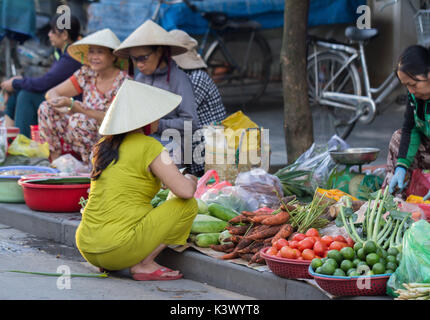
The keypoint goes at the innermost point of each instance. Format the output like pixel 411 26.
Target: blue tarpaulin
pixel 124 16
pixel 17 19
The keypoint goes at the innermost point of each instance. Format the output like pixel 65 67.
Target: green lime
pixel 332 262
pixel 360 254
pixel 393 251
pixel 378 268
pixel 336 255
pixel 339 273
pixel 347 253
pixel 382 261
pixel 319 270
pixel 346 265
pixel 363 268
pixel 384 253
pixel 354 274
pixel 370 247
pixel 371 273
pixel 391 266
pixel 399 258
pixel 389 271
pixel 316 263
pixel 391 259
pixel 328 268
pixel 348 273
pixel 356 262
pixel 372 258
pixel 381 253
pixel 323 260
pixel 357 246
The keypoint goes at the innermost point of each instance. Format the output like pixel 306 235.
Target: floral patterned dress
pixel 76 132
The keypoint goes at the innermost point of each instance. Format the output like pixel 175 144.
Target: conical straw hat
pixel 136 105
pixel 103 38
pixel 149 34
pixel 191 59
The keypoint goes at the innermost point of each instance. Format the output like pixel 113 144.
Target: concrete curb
pixel 61 228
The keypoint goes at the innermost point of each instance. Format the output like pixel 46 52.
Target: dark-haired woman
pixel 409 147
pixel 120 229
pixel 22 106
pixel 150 47
pixel 69 124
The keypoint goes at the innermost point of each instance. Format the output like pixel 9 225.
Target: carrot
pixel 231 255
pixel 256 229
pixel 284 233
pixel 280 218
pixel 256 258
pixel 268 241
pixel 222 247
pixel 246 256
pixel 259 218
pixel 288 207
pixel 271 231
pixel 243 243
pixel 240 219
pixel 238 230
pixel 249 213
pixel 251 247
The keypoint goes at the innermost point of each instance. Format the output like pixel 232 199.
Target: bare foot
pixel 150 267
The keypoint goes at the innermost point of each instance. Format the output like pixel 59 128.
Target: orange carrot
pixel 261 217
pixel 284 233
pixel 231 255
pixel 238 230
pixel 222 247
pixel 280 218
pixel 240 219
pixel 271 231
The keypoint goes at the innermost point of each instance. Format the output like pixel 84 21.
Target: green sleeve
pixel 412 149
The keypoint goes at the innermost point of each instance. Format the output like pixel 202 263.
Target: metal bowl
pixel 355 156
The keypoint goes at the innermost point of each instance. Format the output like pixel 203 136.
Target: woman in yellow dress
pixel 120 229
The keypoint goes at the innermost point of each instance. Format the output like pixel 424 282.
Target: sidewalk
pixel 61 228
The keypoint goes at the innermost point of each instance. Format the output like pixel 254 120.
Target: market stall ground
pixel 61 227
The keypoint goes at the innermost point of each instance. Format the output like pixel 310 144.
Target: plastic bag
pixel 230 197
pixel 415 209
pixel 415 263
pixel 68 163
pixel 260 185
pixel 3 141
pixel 317 159
pixel 419 184
pixel 24 146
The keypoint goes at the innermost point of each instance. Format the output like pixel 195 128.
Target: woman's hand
pixel 191 177
pixel 398 180
pixel 7 84
pixel 59 102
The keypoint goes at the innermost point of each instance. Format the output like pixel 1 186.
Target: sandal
pixel 157 275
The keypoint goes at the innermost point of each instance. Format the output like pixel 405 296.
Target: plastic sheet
pixel 415 263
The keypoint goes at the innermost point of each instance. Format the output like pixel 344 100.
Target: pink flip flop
pixel 157 275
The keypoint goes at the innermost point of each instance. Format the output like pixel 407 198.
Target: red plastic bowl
pixel 286 268
pixel 54 198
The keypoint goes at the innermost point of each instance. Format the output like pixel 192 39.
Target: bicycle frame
pixel 340 100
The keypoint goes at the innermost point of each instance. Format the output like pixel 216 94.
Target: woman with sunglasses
pixel 26 93
pixel 150 47
pixel 409 147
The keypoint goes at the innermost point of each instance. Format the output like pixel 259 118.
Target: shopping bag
pixel 26 147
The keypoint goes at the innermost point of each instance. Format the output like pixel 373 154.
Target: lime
pixel 363 269
pixel 354 274
pixel 378 268
pixel 356 262
pixel 391 266
pixel 336 255
pixel 389 271
pixel 370 247
pixel 332 262
pixel 339 273
pixel 372 258
pixel 384 253
pixel 351 271
pixel 327 268
pixel 316 263
pixel 360 254
pixel 346 265
pixel 399 258
pixel 381 253
pixel 382 261
pixel 371 273
pixel 391 259
pixel 319 270
pixel 323 260
pixel 357 246
pixel 393 251
pixel 347 253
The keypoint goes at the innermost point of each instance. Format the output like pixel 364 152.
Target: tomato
pixel 300 258
pixel 312 232
pixel 327 240
pixel 294 244
pixel 281 243
pixel 311 239
pixel 337 245
pixel 279 254
pixel 308 254
pixel 340 238
pixel 297 253
pixel 350 242
pixel 319 248
pixel 306 244
pixel 272 251
pixel 287 252
pixel 298 237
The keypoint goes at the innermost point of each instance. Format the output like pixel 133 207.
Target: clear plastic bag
pixel 261 186
pixel 415 263
pixel 230 197
pixel 69 164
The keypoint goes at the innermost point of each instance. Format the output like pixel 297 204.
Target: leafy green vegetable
pixel 160 197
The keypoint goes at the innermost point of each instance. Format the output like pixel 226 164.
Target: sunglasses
pixel 141 58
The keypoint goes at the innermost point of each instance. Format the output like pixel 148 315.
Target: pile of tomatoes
pixel 308 246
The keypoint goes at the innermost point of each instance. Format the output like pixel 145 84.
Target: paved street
pixel 22 251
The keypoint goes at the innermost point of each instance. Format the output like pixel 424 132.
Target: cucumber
pixel 224 235
pixel 204 223
pixel 204 240
pixel 220 212
pixel 203 207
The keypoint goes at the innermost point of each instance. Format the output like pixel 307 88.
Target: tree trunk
pixel 298 126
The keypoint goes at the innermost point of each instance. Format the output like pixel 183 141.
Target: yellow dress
pixel 119 226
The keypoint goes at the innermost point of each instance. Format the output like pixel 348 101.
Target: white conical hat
pixel 191 59
pixel 136 105
pixel 149 34
pixel 103 38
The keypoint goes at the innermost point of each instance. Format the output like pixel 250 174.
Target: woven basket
pixel 286 268
pixel 352 286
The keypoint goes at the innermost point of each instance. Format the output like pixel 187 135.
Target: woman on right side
pixel 409 147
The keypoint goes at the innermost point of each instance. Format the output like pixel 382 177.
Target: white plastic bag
pixel 69 164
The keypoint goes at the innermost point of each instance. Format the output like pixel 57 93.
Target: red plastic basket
pixel 286 268
pixel 352 286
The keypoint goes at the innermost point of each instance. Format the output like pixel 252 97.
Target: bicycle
pixel 239 65
pixel 335 83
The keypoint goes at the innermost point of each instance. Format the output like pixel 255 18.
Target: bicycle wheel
pixel 239 79
pixel 328 64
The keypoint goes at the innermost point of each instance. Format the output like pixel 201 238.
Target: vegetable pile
pixel 414 291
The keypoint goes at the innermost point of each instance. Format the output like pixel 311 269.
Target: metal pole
pixel 8 57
